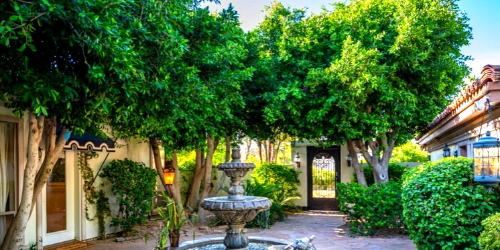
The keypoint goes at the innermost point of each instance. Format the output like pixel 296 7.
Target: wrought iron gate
pixel 323 174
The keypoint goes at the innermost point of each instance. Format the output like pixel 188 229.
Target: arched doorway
pixel 323 173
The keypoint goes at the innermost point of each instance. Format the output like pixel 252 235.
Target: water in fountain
pixel 236 209
pixel 251 246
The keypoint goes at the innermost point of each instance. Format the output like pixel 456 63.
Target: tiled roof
pixel 490 73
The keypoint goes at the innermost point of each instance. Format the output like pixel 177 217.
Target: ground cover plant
pixel 443 207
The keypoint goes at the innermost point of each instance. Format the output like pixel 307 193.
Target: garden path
pixel 325 226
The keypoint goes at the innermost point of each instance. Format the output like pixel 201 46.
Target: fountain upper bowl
pixel 225 204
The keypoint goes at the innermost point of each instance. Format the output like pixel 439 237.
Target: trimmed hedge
pixel 373 208
pixel 443 207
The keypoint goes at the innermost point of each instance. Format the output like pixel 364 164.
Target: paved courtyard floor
pixel 325 226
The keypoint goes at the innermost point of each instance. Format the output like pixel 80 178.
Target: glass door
pixel 59 203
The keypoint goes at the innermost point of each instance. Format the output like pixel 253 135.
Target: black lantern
pixel 349 160
pixel 456 153
pixel 297 160
pixel 446 150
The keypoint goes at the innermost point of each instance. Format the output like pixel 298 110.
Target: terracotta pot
pixel 174 239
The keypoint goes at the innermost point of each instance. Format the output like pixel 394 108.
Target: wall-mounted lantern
pixel 296 159
pixel 446 150
pixel 168 176
pixel 456 153
pixel 349 160
pixel 486 155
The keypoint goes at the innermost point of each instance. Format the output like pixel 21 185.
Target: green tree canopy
pixel 372 73
pixel 62 63
pixel 409 152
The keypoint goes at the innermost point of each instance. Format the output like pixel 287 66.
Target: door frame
pixel 311 153
pixel 71 205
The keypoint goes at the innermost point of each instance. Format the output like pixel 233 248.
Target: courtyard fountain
pixel 236 209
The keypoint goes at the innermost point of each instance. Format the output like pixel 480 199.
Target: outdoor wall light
pixel 296 159
pixel 349 160
pixel 486 155
pixel 456 153
pixel 168 176
pixel 446 150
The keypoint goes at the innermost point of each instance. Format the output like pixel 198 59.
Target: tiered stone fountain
pixel 236 209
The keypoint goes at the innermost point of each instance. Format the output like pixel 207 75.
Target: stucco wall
pixel 131 149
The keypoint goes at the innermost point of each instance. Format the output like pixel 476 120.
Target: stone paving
pixel 324 226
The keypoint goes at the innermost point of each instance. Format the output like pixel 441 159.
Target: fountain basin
pixel 236 212
pixel 219 240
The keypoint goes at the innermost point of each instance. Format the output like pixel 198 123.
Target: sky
pixel 484 48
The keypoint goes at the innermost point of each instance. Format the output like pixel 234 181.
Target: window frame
pixel 18 169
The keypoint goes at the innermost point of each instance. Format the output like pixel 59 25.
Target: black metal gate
pixel 323 173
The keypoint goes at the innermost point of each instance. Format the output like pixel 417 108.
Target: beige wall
pixel 301 148
pixel 131 149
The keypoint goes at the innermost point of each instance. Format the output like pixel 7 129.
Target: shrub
pixel 373 208
pixel 442 206
pixel 396 172
pixel 133 183
pixel 490 237
pixel 286 177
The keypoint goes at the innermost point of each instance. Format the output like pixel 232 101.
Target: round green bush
pixel 442 206
pixel 490 237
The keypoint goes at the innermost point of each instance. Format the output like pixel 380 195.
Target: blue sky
pixel 484 47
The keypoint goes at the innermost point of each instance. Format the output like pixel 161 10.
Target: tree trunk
pixel 380 165
pixel 276 151
pixel 260 150
pixel 34 181
pixel 15 233
pixel 269 151
pixel 360 173
pixel 208 176
pixel 194 192
pixel 264 143
pixel 249 145
pixel 155 146
pixel 223 176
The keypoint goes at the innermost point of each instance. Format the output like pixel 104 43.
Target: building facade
pixel 465 119
pixel 59 214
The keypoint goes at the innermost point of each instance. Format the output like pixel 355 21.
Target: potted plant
pixel 174 217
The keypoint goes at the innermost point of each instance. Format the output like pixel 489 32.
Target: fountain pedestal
pixel 236 209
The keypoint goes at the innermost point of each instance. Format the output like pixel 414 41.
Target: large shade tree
pixel 378 71
pixel 61 62
pixel 190 93
pixel 272 71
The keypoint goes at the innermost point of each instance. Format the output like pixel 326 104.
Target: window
pixel 9 158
